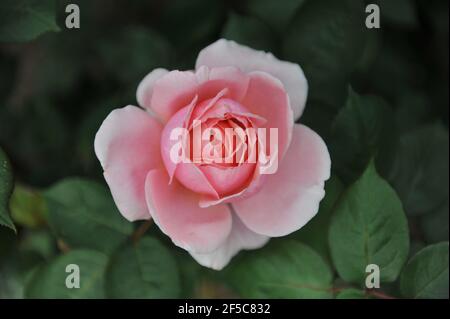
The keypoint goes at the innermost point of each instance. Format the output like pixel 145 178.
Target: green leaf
pixel 351 293
pixel 287 269
pixel 191 273
pixel 399 12
pixel 435 225
pixel 249 31
pixel 40 143
pixel 200 19
pixel 7 242
pixel 426 274
pixel 143 270
pixel 415 246
pixel 6 188
pixel 11 283
pixel 327 39
pixel 369 227
pixel 372 46
pixel 398 62
pixel 87 129
pixel 27 252
pixel 27 207
pixel 25 20
pixel 60 53
pixel 40 243
pixel 358 133
pixel 49 281
pixel 277 14
pixel 319 116
pixel 412 111
pixel 315 232
pixel 83 214
pixel 146 50
pixel 419 171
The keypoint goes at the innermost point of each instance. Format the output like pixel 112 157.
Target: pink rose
pixel 210 207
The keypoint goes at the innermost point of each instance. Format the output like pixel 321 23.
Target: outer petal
pixel 291 197
pixel 127 146
pixel 172 92
pixel 145 89
pixel 175 209
pixel 240 238
pixel 226 53
pixel 215 79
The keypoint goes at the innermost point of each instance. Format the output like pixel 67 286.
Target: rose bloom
pixel 210 208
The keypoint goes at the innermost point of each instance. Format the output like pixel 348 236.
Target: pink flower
pixel 211 208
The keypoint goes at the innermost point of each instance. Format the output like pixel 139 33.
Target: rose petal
pixel 193 178
pixel 240 238
pixel 127 146
pixel 175 210
pixel 213 80
pixel 196 112
pixel 175 126
pixel 223 106
pixel 172 92
pixel 291 197
pixel 229 179
pixel 253 187
pixel 145 89
pixel 267 98
pixel 176 89
pixel 226 53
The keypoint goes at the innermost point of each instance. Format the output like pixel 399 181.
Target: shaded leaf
pixel 6 188
pixel 145 51
pixel 190 17
pixel 413 111
pixel 287 269
pixel 24 20
pixel 41 139
pixel 143 270
pixel 249 31
pixel 49 281
pixel 27 207
pixel 419 171
pixel 190 274
pixel 399 12
pixel 351 293
pixel 315 232
pixel 327 39
pixel 358 133
pixel 426 274
pixel 82 213
pixel 435 225
pixel 11 283
pixel 277 14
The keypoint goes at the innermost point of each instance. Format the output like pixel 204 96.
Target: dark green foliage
pixel 378 97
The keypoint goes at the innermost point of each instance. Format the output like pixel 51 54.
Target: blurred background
pixel 58 84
